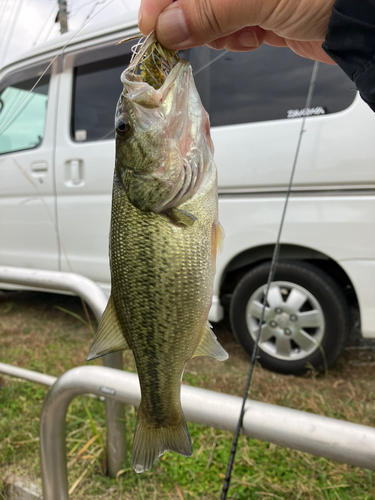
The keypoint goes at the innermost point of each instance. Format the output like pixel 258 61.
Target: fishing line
pixel 270 278
pixel 128 9
pixel 210 62
pixel 94 7
pixel 52 27
pixel 22 171
pixel 79 7
pixel 16 114
pixel 3 8
pixel 50 17
pixel 54 59
pixel 13 18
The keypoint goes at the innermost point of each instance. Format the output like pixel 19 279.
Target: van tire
pixel 325 305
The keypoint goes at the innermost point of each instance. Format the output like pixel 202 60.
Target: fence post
pixel 115 414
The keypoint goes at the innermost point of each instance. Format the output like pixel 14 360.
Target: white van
pixel 57 161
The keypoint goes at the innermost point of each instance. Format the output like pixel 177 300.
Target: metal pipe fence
pixel 322 436
pixel 97 301
pixel 30 375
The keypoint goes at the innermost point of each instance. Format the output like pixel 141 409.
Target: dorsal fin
pixel 209 346
pixel 109 337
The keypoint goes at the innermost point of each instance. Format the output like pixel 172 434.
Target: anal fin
pixel 210 346
pixel 109 337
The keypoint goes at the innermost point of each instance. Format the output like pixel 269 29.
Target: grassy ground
pixel 35 334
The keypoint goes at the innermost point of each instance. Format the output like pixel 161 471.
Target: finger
pixel 189 23
pixel 248 38
pixel 148 14
pixel 310 50
pixel 270 38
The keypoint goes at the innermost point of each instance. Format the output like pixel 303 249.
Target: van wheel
pixel 306 317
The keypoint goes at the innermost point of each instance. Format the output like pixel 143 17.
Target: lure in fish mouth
pixel 164 238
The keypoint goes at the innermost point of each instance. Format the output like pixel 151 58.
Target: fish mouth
pixel 141 92
pixel 151 72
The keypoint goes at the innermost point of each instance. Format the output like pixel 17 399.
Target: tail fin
pixel 151 442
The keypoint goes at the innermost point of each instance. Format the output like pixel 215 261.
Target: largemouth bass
pixel 164 238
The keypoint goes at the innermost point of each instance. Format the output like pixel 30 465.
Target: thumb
pixel 189 23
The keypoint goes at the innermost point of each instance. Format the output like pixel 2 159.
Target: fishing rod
pixel 271 274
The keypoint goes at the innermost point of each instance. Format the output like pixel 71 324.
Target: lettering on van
pixel 297 113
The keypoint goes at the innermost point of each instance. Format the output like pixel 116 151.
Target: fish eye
pixel 122 126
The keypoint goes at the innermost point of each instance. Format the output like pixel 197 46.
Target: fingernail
pixel 140 15
pixel 248 39
pixel 171 28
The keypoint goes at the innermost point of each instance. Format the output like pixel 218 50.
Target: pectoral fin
pixel 109 337
pixel 180 217
pixel 209 346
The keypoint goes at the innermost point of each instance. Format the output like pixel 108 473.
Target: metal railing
pixel 30 375
pixel 322 436
pixel 95 298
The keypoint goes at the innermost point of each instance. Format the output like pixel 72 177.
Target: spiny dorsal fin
pixel 109 337
pixel 209 346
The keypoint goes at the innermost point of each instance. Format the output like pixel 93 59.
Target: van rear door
pixel 85 156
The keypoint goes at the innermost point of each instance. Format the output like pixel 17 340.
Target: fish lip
pixel 139 94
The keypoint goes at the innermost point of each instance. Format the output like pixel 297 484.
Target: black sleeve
pixel 350 42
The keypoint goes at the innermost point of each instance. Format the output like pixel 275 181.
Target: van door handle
pixel 39 170
pixel 39 167
pixel 74 173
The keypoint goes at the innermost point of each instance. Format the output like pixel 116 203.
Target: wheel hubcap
pixel 293 324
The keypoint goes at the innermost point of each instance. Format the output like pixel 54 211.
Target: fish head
pixel 162 139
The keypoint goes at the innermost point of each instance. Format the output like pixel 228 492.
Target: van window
pixel 23 115
pixel 97 88
pixel 267 84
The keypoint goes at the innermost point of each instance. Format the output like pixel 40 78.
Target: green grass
pixel 35 334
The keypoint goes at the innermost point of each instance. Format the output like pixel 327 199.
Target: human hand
pixel 239 25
